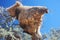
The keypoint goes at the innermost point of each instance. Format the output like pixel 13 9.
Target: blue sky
pixel 50 20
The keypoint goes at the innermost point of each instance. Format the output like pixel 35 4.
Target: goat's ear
pixel 17 5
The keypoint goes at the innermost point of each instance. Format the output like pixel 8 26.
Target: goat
pixel 30 18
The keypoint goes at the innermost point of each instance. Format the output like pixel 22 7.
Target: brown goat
pixel 29 18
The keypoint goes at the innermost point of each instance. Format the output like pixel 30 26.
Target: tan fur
pixel 30 20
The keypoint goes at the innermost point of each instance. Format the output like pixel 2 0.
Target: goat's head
pixel 12 9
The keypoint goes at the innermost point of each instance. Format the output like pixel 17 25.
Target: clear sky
pixel 50 20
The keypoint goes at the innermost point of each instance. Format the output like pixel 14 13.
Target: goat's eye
pixel 17 11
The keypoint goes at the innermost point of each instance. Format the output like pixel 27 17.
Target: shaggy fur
pixel 29 18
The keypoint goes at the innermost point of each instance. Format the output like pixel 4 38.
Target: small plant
pixel 53 35
pixel 9 30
